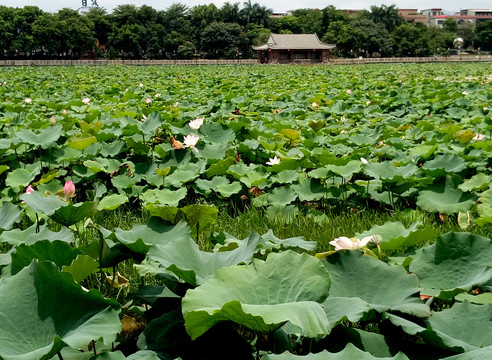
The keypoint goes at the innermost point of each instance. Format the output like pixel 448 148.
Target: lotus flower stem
pixel 59 355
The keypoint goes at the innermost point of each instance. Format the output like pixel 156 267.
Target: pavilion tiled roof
pixel 294 41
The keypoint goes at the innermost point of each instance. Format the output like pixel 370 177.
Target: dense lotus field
pixel 82 144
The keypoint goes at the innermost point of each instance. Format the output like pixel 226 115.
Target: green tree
pixel 47 34
pixel 466 31
pixel 386 15
pixel 409 40
pixel 126 40
pixel 310 20
pixel 125 15
pixel 450 24
pixel 484 35
pixel 200 17
pixel 229 13
pixel 77 36
pixel 220 40
pixel 438 40
pixel 254 13
pixel 102 24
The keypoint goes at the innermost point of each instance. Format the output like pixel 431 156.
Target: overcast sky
pixel 275 5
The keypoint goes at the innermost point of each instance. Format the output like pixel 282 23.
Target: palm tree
pixel 386 15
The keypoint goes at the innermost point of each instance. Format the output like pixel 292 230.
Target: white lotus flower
pixel 478 137
pixel 343 131
pixel 368 102
pixel 345 243
pixel 195 124
pixel 147 101
pixel 465 93
pixel 157 95
pixel 273 161
pixel 27 100
pixel 140 84
pixel 349 91
pixel 314 105
pixel 86 101
pixel 190 141
pixel 364 161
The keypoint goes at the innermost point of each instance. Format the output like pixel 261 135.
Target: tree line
pixel 180 32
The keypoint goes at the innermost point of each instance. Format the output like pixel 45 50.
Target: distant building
pixel 436 17
pixel 412 15
pixel 293 48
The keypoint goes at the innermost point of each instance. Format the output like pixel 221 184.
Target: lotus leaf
pixel 444 164
pixel 183 257
pixel 445 197
pixel 51 312
pixel 440 266
pixel 349 353
pixel 355 290
pixel 73 213
pixel 32 234
pixel 394 235
pixel 262 296
pixel 9 215
pixel 141 237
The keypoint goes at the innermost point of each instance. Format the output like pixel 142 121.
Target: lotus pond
pixel 114 181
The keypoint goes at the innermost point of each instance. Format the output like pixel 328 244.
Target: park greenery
pixel 180 32
pixel 246 212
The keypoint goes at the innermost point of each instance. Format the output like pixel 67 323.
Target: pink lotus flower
pixel 349 91
pixel 29 189
pixel 69 189
pixel 345 243
pixel 52 120
pixel 147 101
pixel 195 124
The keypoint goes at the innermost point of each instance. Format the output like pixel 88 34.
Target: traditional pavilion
pixel 293 48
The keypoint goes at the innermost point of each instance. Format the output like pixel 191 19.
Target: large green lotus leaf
pixel 150 125
pixel 20 177
pixel 479 181
pixel 200 217
pixel 270 241
pixel 9 215
pixel 394 235
pixel 387 171
pixel 166 213
pixel 183 257
pixel 32 234
pixel 262 296
pixel 118 355
pixel 45 138
pixel 484 353
pixel 349 353
pixel 484 209
pixel 357 279
pixel 283 195
pixel 112 202
pixel 465 326
pixel 285 177
pixel 217 133
pixel 80 141
pixel 43 310
pixel 456 112
pixel 485 298
pixel 42 204
pixel 253 178
pixel 453 264
pixel 213 151
pixel 444 164
pixel 309 190
pixel 164 196
pixel 81 267
pixel 445 197
pixel 345 171
pixel 226 190
pixel 140 238
pixel 180 177
pixel 220 167
pixel 206 186
pixel 73 213
pixel 59 252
